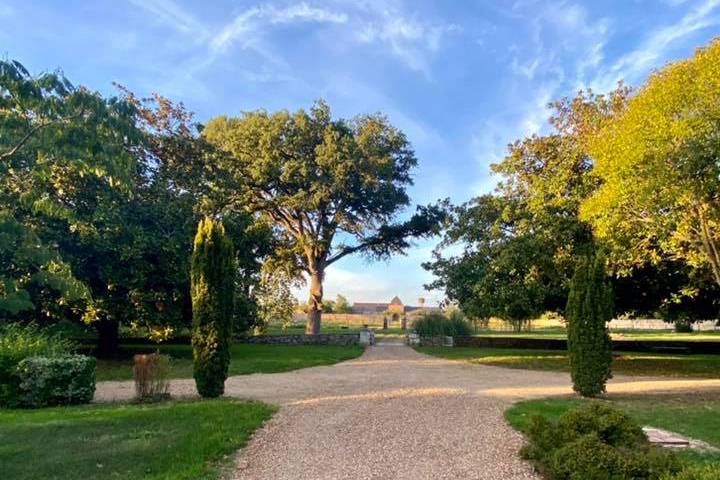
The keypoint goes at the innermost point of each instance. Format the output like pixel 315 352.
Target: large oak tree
pixel 332 187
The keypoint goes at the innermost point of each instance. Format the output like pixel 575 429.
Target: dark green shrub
pixel 18 342
pixel 435 324
pixel 683 326
pixel 588 310
pixel 586 458
pixel 212 285
pixel 595 442
pixel 62 380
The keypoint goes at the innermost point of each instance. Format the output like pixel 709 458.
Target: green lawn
pixel 173 440
pixel 696 416
pixel 561 334
pixel 627 363
pixel 246 359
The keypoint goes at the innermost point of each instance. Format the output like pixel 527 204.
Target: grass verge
pixel 692 415
pixel 173 440
pixel 246 359
pixel 628 363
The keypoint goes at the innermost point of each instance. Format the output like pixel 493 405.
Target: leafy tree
pixel 213 286
pixel 61 147
pixel 275 299
pixel 658 162
pixel 330 187
pixel 500 273
pixel 99 199
pixel 342 305
pixel 589 308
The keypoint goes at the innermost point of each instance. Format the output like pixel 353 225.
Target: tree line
pixel 100 198
pixel 635 172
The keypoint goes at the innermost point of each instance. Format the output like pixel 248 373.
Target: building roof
pixel 369 304
pixel 396 301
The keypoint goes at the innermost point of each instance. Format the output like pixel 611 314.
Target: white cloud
pixel 635 64
pixel 407 37
pixel 247 25
pixel 170 13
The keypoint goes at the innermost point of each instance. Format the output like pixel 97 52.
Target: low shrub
pixel 150 373
pixel 436 324
pixel 595 442
pixel 683 326
pixel 62 380
pixel 697 472
pixel 18 342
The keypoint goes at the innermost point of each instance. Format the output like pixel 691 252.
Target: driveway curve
pixel 392 413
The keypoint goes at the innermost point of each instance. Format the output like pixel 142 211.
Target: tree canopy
pixel 331 187
pixel 658 162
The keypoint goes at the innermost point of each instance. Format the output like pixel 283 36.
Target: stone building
pixel 395 309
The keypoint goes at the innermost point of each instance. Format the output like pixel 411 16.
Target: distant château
pixel 395 307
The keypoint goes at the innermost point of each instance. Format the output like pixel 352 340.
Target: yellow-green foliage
pixel 212 286
pixel 658 163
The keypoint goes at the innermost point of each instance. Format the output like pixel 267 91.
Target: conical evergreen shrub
pixel 212 275
pixel 589 308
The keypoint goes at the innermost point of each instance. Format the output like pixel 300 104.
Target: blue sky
pixel 462 78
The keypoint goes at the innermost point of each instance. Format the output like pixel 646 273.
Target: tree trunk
pixel 315 303
pixel 108 338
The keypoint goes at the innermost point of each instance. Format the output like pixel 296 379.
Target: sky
pixel 461 78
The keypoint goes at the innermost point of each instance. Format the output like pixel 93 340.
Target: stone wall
pixel 322 339
pixel 439 341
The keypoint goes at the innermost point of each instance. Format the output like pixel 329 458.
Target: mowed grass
pixel 561 334
pixel 173 440
pixel 246 359
pixel 627 363
pixel 692 415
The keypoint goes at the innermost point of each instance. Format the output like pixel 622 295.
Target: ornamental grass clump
pixel 436 324
pixel 150 372
pixel 212 276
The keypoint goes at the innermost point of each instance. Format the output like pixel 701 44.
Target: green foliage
pixel 657 159
pixel 588 310
pixel 275 300
pixel 595 442
pixel 697 472
pixel 212 275
pixel 342 305
pixel 313 178
pixel 18 342
pixel 435 324
pixel 59 380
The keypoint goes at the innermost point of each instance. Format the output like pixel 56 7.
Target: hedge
pixel 63 380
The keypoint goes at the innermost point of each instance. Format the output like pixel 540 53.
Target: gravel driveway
pixel 392 413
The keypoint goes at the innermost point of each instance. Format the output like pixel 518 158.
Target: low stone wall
pixel 440 341
pixel 322 339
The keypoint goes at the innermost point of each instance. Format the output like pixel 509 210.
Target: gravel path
pixel 393 413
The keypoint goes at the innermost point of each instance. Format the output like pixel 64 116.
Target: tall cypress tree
pixel 589 308
pixel 212 277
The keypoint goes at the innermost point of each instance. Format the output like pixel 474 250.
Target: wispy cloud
pixel 173 15
pixel 408 38
pixel 635 64
pixel 248 24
